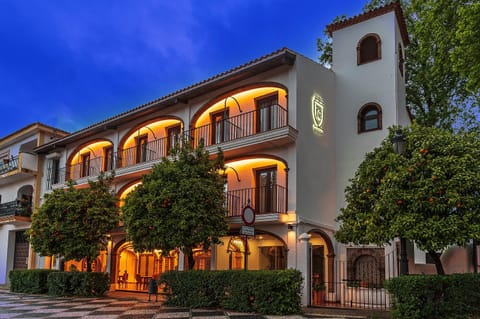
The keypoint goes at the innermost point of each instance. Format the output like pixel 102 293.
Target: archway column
pixel 303 265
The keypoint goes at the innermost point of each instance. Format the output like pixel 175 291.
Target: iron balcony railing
pixel 243 125
pixel 265 200
pixel 16 208
pixel 9 164
pixel 88 168
pixel 151 151
pixel 232 128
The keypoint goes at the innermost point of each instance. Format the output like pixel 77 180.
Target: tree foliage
pixel 441 59
pixel 466 54
pixel 74 222
pixel 180 204
pixel 429 194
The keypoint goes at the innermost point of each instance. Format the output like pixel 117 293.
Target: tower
pixel 368 63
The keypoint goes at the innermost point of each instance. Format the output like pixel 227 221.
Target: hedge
pixel 266 292
pixel 42 281
pixel 434 296
pixel 31 281
pixel 87 284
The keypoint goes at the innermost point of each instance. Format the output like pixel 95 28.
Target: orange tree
pixel 180 204
pixel 74 223
pixel 428 194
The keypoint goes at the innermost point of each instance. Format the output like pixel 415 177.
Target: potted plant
pixel 318 293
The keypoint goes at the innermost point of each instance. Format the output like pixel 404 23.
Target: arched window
pixel 370 118
pixel 369 49
pixel 400 59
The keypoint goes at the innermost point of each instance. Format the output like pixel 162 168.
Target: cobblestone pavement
pixel 40 306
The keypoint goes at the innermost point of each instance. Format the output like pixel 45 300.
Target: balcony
pixel 9 165
pixel 15 210
pixel 255 130
pixel 264 200
pixel 17 167
pixel 270 124
pixel 153 150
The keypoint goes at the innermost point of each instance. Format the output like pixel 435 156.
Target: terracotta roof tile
pixel 394 6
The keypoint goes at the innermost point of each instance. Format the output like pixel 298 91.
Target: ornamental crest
pixel 317 113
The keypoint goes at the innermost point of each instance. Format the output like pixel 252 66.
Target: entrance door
pixel 173 137
pixel 266 192
pixel 317 258
pixel 85 165
pixel 20 260
pixel 267 113
pixel 108 158
pixel 220 127
pixel 141 148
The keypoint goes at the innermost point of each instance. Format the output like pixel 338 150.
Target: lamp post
pixel 398 142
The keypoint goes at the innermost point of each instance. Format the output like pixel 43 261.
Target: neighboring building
pixel 292 131
pixel 20 179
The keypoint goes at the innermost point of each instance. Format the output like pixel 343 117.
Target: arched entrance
pixel 202 258
pixel 25 199
pixel 321 266
pixel 264 251
pixel 134 270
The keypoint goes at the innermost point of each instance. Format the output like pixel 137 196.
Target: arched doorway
pixel 202 258
pixel 25 199
pixel 134 269
pixel 264 251
pixel 322 272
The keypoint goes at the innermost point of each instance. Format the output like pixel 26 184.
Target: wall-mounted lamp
pixel 234 170
pixel 304 237
pixel 290 227
pixel 236 101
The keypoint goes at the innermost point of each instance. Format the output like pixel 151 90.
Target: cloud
pixel 125 33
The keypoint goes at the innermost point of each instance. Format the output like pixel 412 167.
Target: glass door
pixel 266 194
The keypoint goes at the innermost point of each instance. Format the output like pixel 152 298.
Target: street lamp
pixel 398 142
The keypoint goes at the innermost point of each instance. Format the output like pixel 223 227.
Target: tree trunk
pixel 474 256
pixel 89 264
pixel 189 255
pixel 438 263
pixel 191 261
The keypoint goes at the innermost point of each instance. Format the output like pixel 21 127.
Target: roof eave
pixel 394 6
pixel 245 71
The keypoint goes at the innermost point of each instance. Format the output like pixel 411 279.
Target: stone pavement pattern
pixel 40 306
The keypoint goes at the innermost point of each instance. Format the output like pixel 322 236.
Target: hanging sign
pixel 247 230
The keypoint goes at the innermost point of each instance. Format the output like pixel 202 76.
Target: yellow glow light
pixel 246 100
pixel 318 113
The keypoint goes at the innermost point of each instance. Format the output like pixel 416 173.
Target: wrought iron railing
pixel 265 200
pixel 151 151
pixel 239 126
pixel 16 208
pixel 9 164
pixel 236 127
pixel 91 167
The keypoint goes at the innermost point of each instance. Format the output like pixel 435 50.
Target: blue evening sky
pixel 73 63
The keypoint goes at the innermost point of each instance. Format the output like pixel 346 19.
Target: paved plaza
pixel 41 306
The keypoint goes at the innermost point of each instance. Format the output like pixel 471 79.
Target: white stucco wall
pixel 7 249
pixel 357 85
pixel 315 150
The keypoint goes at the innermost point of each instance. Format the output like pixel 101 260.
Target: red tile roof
pixel 394 6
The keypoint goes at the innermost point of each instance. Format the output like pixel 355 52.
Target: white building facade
pixel 20 179
pixel 292 131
